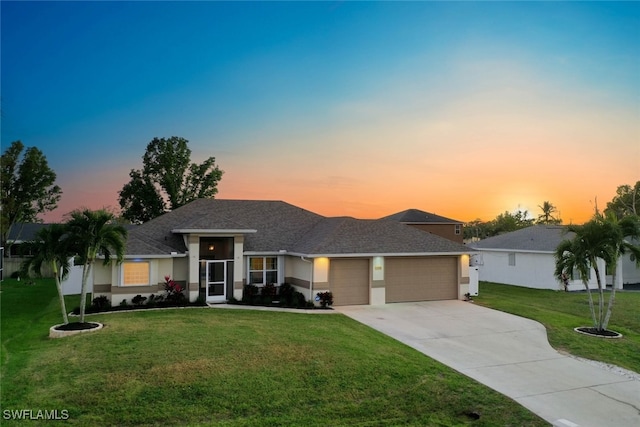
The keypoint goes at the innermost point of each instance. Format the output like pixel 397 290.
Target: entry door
pixel 216 281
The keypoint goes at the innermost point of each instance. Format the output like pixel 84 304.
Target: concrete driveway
pixel 511 355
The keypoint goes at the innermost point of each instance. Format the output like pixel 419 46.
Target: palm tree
pixel 95 233
pixel 600 238
pixel 547 217
pixel 51 247
pixel 627 230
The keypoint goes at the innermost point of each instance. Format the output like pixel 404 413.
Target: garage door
pixel 421 279
pixel 349 281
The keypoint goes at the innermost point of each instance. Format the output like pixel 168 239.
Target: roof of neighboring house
pixel 416 216
pixel 24 232
pixel 273 226
pixel 538 238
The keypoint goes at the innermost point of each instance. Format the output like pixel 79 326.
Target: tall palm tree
pixel 51 247
pixel 600 238
pixel 94 233
pixel 547 216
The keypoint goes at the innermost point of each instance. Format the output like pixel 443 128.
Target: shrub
pixel 123 303
pixel 174 292
pixel 249 292
pixel 138 300
pixel 326 299
pixel 100 303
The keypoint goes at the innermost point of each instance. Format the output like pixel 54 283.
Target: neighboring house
pixel 215 247
pixel 431 223
pixel 525 257
pixel 21 233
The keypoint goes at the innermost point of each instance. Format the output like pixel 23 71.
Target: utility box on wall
pixel 473 281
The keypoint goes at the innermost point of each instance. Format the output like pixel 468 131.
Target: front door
pixel 216 281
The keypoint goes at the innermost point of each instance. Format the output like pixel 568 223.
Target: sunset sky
pixel 343 108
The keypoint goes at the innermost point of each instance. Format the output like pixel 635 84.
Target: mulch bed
pixel 604 333
pixel 77 326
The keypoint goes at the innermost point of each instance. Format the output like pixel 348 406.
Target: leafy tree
pixel 626 201
pixel 167 180
pixel 547 215
pixel 27 186
pixel 603 237
pixel 94 233
pixel 507 222
pixel 51 247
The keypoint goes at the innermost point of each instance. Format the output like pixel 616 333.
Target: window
pixel 512 259
pixel 263 270
pixel 575 274
pixel 135 274
pixel 458 228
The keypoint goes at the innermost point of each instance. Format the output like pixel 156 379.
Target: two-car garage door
pixel 406 279
pixel 421 279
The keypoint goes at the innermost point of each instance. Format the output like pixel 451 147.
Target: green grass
pixel 204 366
pixel 560 312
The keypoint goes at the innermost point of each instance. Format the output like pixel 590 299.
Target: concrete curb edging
pixel 54 333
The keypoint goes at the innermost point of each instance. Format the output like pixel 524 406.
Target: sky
pixel 363 109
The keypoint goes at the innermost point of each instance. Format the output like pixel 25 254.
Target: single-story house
pixel 426 221
pixel 525 257
pixel 215 247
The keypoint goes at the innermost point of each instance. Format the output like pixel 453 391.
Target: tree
pixel 94 233
pixel 603 237
pixel 51 247
pixel 626 201
pixel 27 186
pixel 167 180
pixel 507 222
pixel 547 215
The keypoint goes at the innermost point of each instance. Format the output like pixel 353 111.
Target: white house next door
pixel 216 280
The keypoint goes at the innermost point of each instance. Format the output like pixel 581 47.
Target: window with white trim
pixel 136 273
pixel 458 229
pixel 263 270
pixel 512 259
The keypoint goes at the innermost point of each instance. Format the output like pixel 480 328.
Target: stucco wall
pixel 631 273
pixel 532 270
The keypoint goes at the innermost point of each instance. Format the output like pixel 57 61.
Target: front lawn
pixel 560 312
pixel 201 366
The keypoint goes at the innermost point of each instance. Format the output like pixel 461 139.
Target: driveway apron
pixel 511 355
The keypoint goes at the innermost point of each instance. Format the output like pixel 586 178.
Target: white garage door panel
pixel 349 281
pixel 421 279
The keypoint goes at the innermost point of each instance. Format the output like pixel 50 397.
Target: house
pixel 215 247
pixel 525 257
pixel 444 227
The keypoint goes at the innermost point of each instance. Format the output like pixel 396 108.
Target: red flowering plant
pixel 174 291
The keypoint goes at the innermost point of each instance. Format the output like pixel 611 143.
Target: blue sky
pixel 344 108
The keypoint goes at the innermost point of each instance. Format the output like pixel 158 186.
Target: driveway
pixel 510 354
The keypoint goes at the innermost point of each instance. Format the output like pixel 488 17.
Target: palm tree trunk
pixel 612 297
pixel 601 298
pixel 86 269
pixel 591 306
pixel 63 307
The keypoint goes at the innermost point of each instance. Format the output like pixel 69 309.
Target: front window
pixel 135 274
pixel 263 270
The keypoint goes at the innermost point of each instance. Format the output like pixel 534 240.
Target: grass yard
pixel 560 312
pixel 203 366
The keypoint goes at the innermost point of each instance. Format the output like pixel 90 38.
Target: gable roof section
pixel 537 238
pixel 416 216
pixel 270 225
pixel 345 235
pixel 25 231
